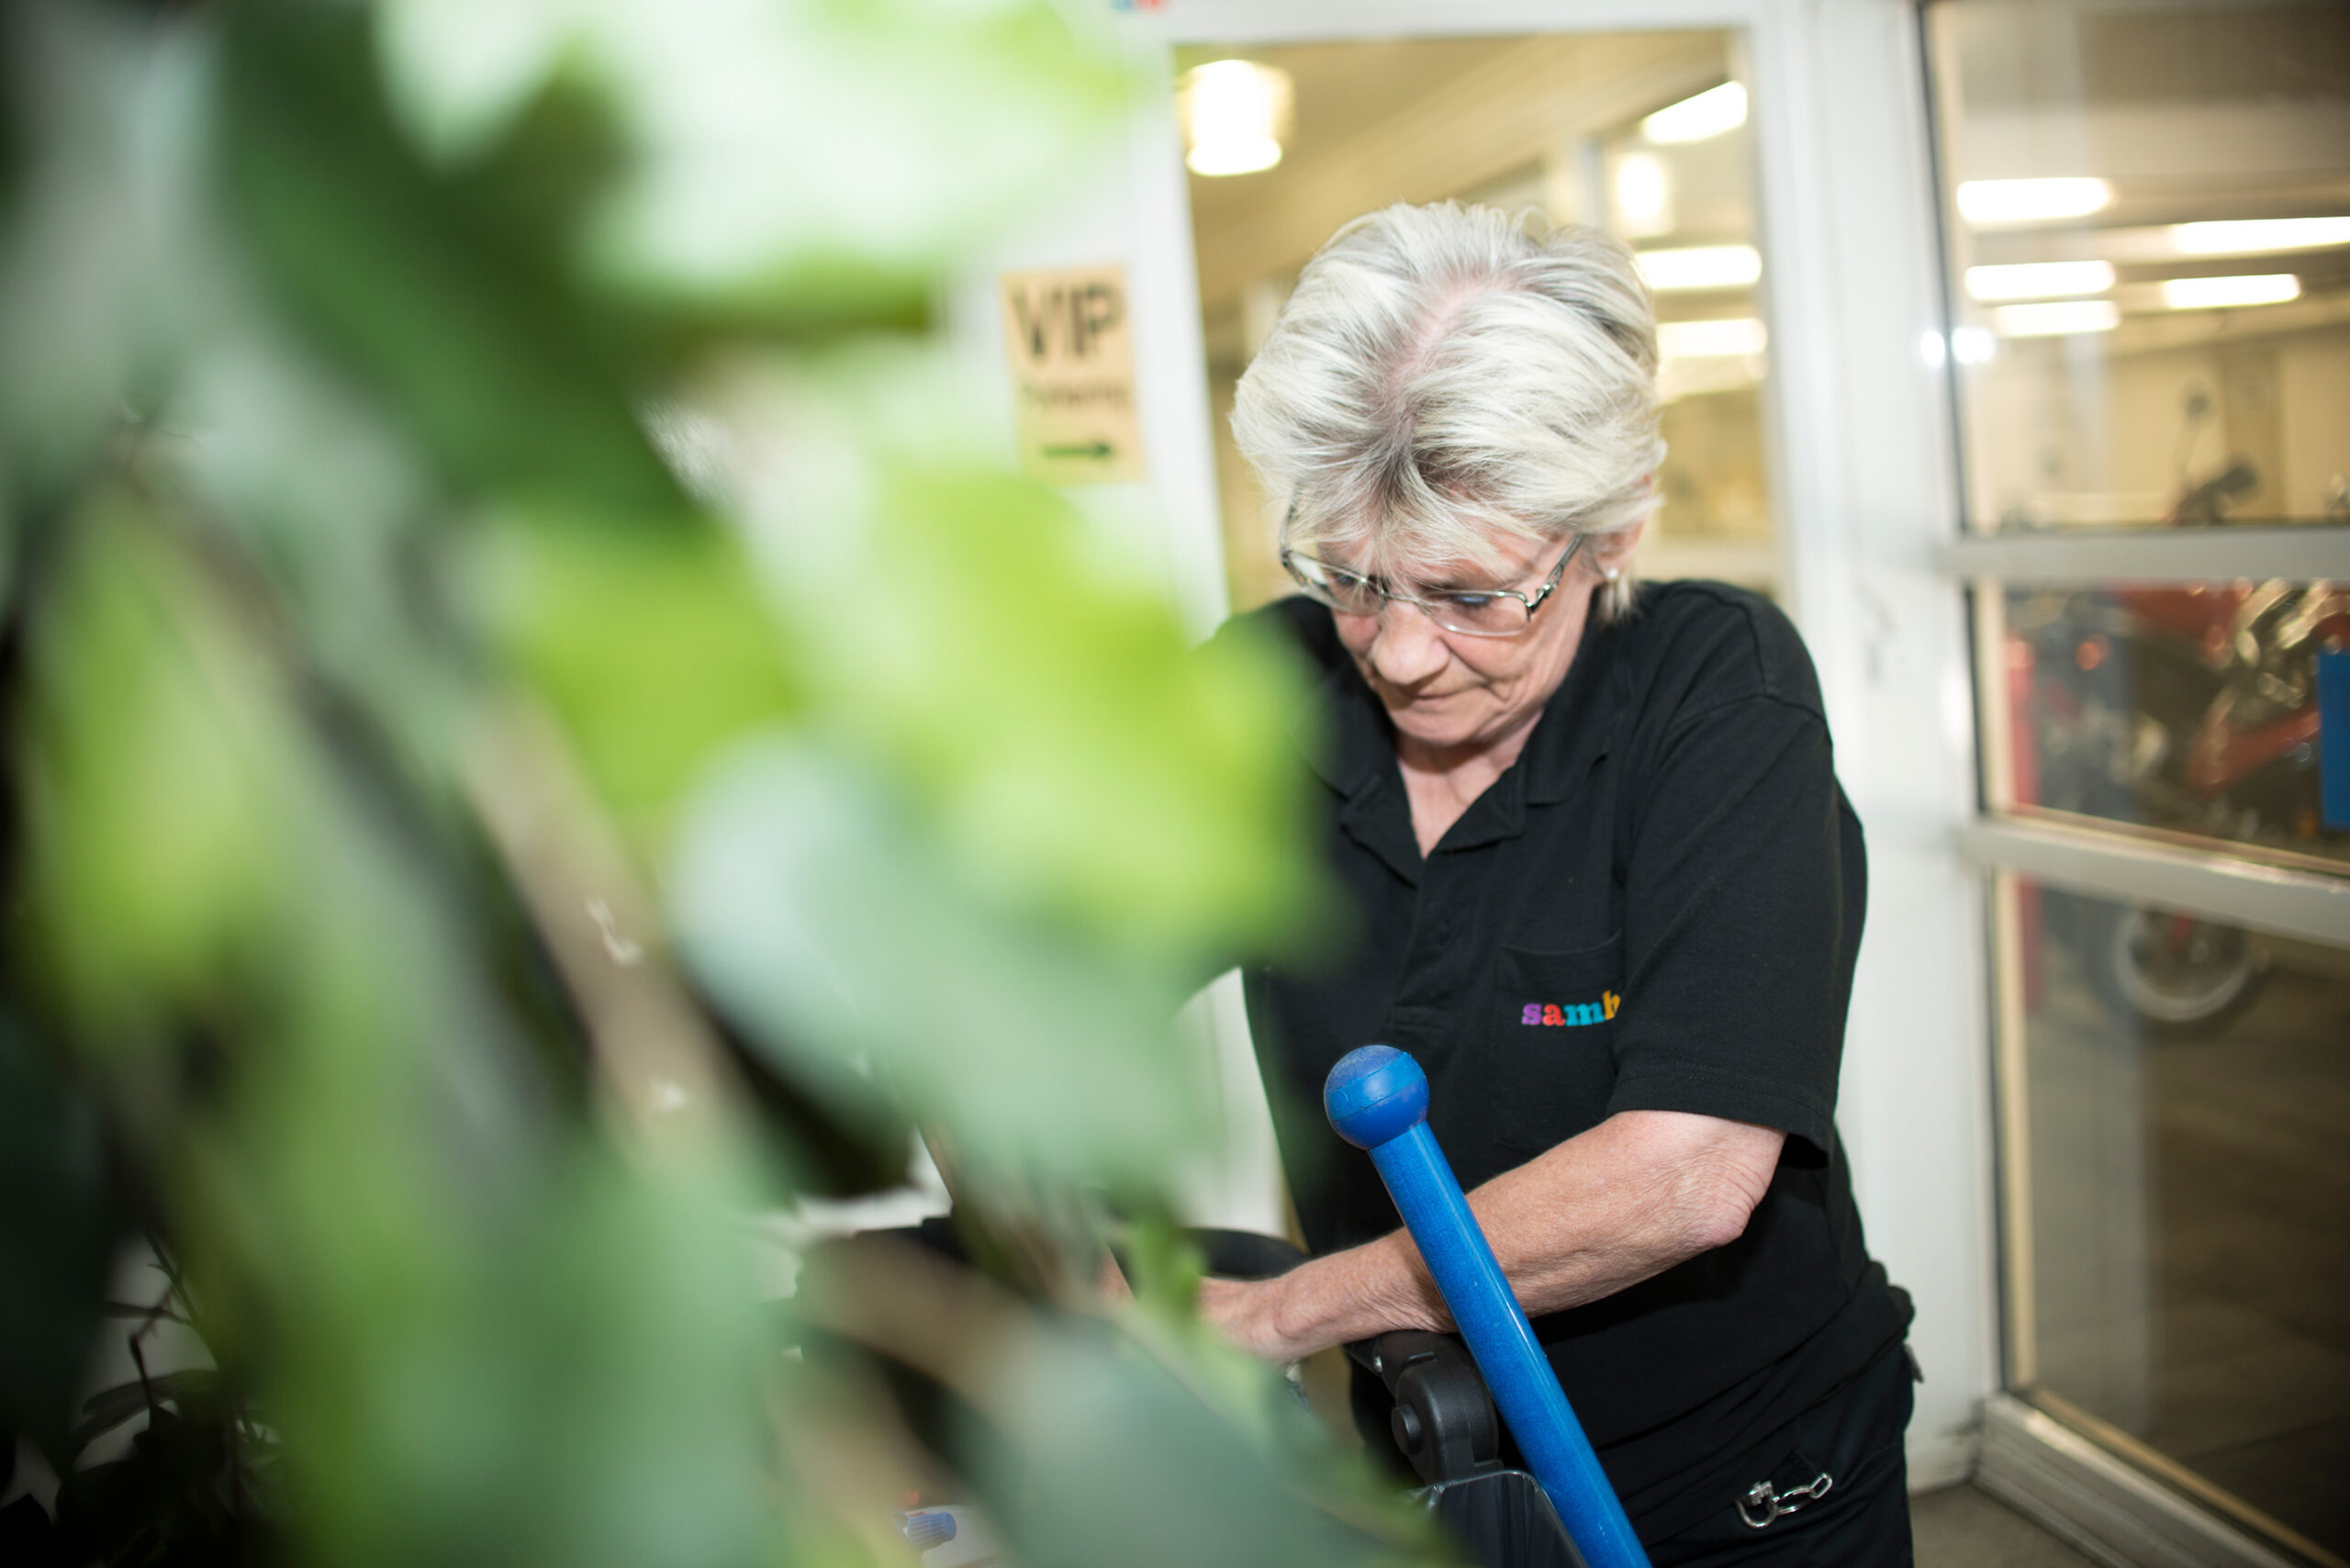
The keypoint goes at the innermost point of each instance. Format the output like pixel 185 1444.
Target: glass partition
pixel 2148 207
pixel 2146 210
pixel 2185 1292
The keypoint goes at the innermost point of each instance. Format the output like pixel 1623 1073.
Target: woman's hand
pixel 1326 1300
pixel 1249 1313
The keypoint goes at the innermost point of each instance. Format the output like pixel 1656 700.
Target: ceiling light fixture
pixel 1700 266
pixel 2251 237
pixel 2221 292
pixel 2058 318
pixel 1709 114
pixel 2039 280
pixel 1235 114
pixel 1643 194
pixel 1718 339
pixel 1973 345
pixel 2032 201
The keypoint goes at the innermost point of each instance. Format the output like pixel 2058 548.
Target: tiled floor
pixel 1961 1527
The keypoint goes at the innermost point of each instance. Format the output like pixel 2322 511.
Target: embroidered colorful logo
pixel 1573 1012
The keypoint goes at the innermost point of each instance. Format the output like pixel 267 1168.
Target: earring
pixel 1612 573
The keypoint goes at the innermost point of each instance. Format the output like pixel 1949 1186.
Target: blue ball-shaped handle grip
pixel 1374 1095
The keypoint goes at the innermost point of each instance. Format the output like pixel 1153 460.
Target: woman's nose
pixel 1407 648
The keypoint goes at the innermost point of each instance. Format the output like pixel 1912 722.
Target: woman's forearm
pixel 1637 1194
pixel 1626 1201
pixel 1331 1300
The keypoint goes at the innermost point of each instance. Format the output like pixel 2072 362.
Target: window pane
pixel 2148 207
pixel 2185 1263
pixel 2180 708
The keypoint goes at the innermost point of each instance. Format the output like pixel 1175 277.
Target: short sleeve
pixel 1741 915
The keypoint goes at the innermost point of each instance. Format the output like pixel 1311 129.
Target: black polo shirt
pixel 1656 908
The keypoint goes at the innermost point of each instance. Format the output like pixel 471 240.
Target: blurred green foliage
pixel 652 644
pixel 535 733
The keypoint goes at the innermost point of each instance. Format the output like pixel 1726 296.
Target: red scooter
pixel 2188 709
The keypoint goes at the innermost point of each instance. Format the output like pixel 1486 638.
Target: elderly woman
pixel 1603 883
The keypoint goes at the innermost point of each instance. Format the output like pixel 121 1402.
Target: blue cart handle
pixel 1378 1100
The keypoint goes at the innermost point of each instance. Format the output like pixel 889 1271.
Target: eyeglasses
pixel 1475 612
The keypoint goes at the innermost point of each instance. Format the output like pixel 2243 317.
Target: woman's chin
pixel 1435 731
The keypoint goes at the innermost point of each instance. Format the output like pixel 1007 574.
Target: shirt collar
pixel 1356 755
pixel 1347 737
pixel 1580 724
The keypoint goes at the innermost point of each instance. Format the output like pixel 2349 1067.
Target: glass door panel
pixel 2149 221
pixel 2184 1289
pixel 2147 215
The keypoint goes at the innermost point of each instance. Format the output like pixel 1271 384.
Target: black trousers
pixel 1859 1519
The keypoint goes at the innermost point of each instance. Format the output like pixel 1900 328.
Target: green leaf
pixel 810 160
pixel 439 295
pixel 108 269
pixel 831 925
pixel 1078 757
pixel 1100 1454
pixel 583 1390
pixel 319 493
pixel 155 777
pixel 459 74
pixel 652 644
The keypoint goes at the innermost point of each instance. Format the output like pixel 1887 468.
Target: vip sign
pixel 1072 374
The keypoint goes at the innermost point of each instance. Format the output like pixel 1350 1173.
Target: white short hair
pixel 1443 374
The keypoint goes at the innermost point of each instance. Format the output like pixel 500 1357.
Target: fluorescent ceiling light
pixel 1700 119
pixel 2032 201
pixel 1233 155
pixel 1968 345
pixel 2039 280
pixel 2220 293
pixel 1701 267
pixel 1710 340
pixel 1235 114
pixel 2056 318
pixel 2251 238
pixel 1643 194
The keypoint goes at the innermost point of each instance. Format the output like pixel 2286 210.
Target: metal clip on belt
pixel 1770 1502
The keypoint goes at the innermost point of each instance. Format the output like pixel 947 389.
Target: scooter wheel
pixel 2174 974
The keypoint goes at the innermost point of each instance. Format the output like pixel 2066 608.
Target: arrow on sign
pixel 1095 450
